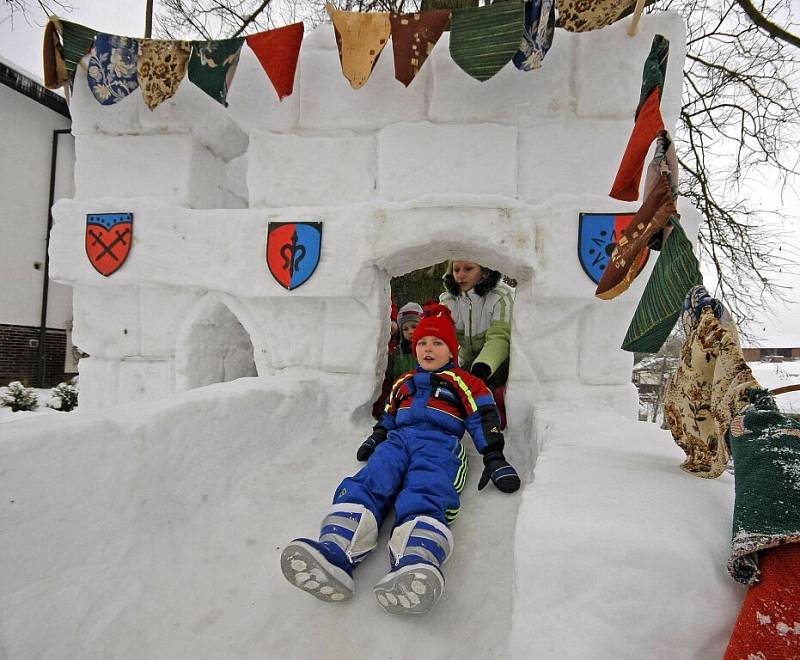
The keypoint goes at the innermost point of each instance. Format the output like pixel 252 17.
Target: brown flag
pixel 413 39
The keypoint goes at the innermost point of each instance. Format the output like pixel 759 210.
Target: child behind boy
pixel 401 357
pixel 416 464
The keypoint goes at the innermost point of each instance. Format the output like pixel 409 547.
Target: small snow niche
pixel 213 347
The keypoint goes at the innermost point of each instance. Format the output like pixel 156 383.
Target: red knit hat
pixel 438 322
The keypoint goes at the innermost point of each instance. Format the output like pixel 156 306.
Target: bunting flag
pixel 675 272
pixel 65 45
pixel 765 445
pixel 484 39
pixel 648 123
pixel 767 626
pixel 212 66
pixel 582 16
pixel 161 67
pixel 626 259
pixel 278 51
pixel 55 69
pixel 537 37
pixel 360 38
pixel 449 5
pixel 709 386
pixel 413 39
pixel 111 73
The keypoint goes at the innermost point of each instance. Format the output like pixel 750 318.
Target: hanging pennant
pixel 278 50
pixel 360 38
pixel 449 5
pixel 55 69
pixel 212 66
pixel 413 39
pixel 675 272
pixel 598 235
pixel 65 45
pixel 537 36
pixel 582 16
pixel 484 39
pixel 109 237
pixel 161 67
pixel 648 123
pixel 293 251
pixel 111 72
pixel 625 263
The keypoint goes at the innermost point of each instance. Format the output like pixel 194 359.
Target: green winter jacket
pixel 483 325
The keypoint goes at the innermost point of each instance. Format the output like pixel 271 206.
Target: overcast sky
pixel 21 44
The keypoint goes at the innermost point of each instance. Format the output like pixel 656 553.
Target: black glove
pixel 366 448
pixel 500 471
pixel 481 370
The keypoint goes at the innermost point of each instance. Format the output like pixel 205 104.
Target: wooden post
pixel 637 14
pixel 148 19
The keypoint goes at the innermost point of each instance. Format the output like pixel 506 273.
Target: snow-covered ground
pixel 779 374
pixel 154 530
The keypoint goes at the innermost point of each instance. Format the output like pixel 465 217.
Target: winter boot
pixel 324 568
pixel 417 550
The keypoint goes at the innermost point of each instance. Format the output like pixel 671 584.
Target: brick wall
pixel 18 357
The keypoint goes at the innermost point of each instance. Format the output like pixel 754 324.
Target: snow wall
pixel 153 529
pixel 401 178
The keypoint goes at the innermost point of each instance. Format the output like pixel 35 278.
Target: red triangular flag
pixel 647 127
pixel 278 50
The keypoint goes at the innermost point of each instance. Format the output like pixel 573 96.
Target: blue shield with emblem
pixel 293 251
pixel 598 234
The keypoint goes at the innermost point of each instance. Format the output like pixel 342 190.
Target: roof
pixel 27 86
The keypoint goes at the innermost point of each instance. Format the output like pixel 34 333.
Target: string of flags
pixel 482 41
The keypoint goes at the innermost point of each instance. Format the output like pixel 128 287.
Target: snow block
pixel 349 323
pixel 612 50
pixel 294 170
pixel 164 309
pixel 423 158
pixel 323 37
pixel 548 166
pixel 236 179
pixel 106 320
pixel 545 335
pixel 173 167
pixel 99 382
pixel 194 112
pixel 601 360
pixel 292 331
pixel 146 380
pixel 253 102
pixel 511 96
pixel 88 116
pixel 328 101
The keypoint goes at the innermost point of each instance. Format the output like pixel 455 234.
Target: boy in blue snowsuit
pixel 416 464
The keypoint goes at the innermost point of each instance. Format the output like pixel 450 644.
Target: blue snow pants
pixel 420 471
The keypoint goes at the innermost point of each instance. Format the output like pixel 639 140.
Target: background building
pixel 37 157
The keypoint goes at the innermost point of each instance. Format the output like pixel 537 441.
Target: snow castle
pixel 401 178
pixel 153 528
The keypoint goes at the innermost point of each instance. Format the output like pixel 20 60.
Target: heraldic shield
pixel 293 251
pixel 598 234
pixel 109 237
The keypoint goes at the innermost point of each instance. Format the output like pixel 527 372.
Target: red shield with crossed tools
pixel 109 237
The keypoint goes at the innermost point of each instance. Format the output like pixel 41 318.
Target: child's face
pixel 467 274
pixel 408 329
pixel 432 353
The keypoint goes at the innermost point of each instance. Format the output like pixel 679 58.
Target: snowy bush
pixel 64 397
pixel 18 397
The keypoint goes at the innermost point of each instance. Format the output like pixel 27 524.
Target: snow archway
pixel 213 346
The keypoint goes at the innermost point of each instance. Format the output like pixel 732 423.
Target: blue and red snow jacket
pixel 450 401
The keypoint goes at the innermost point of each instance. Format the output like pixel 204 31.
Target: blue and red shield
pixel 598 234
pixel 109 237
pixel 293 251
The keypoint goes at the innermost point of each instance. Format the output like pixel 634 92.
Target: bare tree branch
pixel 775 31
